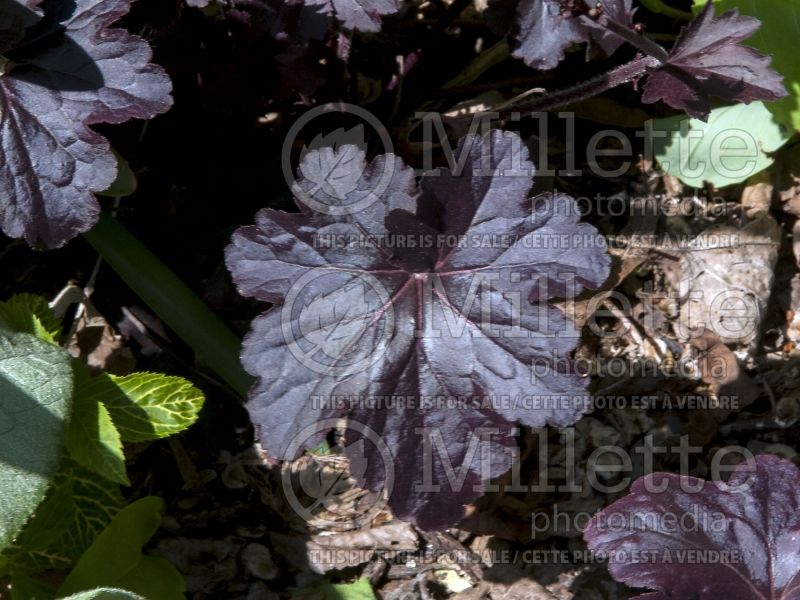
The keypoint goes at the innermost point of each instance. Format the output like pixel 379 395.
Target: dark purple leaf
pixel 363 15
pixel 672 541
pixel 71 70
pixel 621 11
pixel 708 60
pixel 360 318
pixel 548 27
pixel 545 34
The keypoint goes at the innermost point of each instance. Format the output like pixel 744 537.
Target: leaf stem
pixel 645 45
pixel 588 89
pixel 172 300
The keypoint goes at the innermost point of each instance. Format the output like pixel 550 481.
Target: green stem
pixel 660 8
pixel 172 300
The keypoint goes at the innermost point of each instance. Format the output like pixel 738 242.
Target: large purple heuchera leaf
pixel 69 71
pixel 423 295
pixel 698 540
pixel 547 29
pixel 708 60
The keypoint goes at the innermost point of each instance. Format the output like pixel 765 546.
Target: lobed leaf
pixel 363 15
pixel 708 59
pixel 546 30
pixel 70 70
pixel 452 319
pixel 776 37
pixel 673 533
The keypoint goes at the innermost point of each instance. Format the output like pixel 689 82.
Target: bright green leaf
pixel 28 313
pixel 358 590
pixel 125 183
pixel 35 394
pixel 105 594
pixel 146 406
pixel 115 558
pixel 733 144
pixel 93 441
pixel 777 36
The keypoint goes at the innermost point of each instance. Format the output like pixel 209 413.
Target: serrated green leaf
pixel 96 503
pixel 94 442
pixel 777 36
pixel 43 531
pixel 28 313
pixel 146 406
pixel 35 401
pixel 105 594
pixel 733 144
pixel 115 558
pixel 78 506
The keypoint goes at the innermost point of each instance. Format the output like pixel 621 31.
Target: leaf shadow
pixel 46 55
pixel 22 416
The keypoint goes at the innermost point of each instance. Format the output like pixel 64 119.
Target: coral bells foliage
pixel 709 60
pixel 546 28
pixel 418 311
pixel 704 540
pixel 62 69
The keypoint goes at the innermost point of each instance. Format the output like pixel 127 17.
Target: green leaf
pixel 95 504
pixel 35 399
pixel 115 559
pixel 105 594
pixel 358 590
pixel 78 506
pixel 125 183
pixel 93 441
pixel 28 313
pixel 733 144
pixel 146 406
pixel 24 587
pixel 777 36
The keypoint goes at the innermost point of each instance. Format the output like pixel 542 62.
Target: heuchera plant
pixel 658 536
pixel 707 59
pixel 62 69
pixel 463 316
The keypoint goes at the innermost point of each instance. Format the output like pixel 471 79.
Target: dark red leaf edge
pixel 708 59
pixel 758 519
pixel 84 73
pixel 279 250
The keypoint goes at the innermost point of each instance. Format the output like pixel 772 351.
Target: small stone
pixel 258 561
